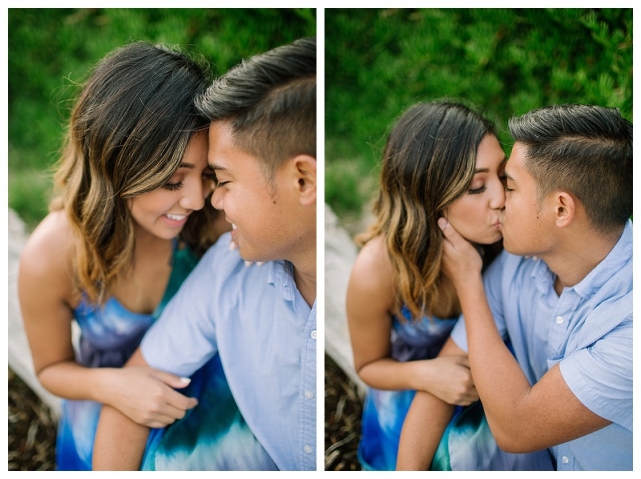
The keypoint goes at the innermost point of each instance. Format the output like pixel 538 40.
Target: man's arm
pixel 522 417
pixel 120 442
pixel 424 425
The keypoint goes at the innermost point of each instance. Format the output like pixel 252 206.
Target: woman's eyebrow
pixel 191 166
pixel 486 170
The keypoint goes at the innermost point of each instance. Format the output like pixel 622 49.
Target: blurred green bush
pixel 51 50
pixel 506 62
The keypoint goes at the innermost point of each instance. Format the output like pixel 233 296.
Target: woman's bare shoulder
pixel 372 271
pixel 48 250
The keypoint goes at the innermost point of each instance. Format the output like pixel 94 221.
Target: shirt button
pixel 565 459
pixel 309 394
pixel 313 335
pixel 308 449
pixel 559 319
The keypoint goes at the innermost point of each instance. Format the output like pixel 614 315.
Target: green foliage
pixel 504 61
pixel 51 51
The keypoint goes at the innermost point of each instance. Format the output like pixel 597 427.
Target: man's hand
pixel 460 258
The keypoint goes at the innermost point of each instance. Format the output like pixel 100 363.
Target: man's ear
pixel 305 173
pixel 565 208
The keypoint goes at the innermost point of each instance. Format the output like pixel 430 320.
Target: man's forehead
pixel 219 145
pixel 515 161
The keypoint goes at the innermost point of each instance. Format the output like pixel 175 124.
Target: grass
pixel 504 61
pixel 51 50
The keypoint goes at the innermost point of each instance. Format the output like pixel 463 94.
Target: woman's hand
pixel 146 395
pixel 460 258
pixel 449 378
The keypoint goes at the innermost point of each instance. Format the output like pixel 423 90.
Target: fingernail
pixel 185 380
pixel 260 263
pixel 232 246
pixel 248 263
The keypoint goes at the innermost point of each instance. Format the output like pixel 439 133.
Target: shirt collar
pixel 616 259
pixel 281 275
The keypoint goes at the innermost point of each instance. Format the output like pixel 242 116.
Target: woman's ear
pixel 305 170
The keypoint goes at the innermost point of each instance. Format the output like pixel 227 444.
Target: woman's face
pixel 164 211
pixel 475 215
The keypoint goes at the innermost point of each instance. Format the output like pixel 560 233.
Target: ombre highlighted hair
pixel 428 162
pixel 127 134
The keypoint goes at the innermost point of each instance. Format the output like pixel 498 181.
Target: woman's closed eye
pixel 173 186
pixel 477 191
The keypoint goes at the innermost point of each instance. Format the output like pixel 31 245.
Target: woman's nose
pixel 497 200
pixel 194 197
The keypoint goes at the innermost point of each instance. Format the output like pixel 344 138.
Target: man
pixel 565 303
pixel 261 320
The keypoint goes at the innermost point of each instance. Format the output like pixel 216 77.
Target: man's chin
pixel 510 248
pixel 251 256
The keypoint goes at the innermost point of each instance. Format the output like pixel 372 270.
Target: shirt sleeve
pixel 600 375
pixel 184 337
pixel 492 280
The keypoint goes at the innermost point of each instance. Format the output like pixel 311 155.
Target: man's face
pixel 526 224
pixel 256 208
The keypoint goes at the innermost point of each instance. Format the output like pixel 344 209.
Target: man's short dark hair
pixel 270 102
pixel 585 150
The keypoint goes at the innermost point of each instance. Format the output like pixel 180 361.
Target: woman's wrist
pixel 102 385
pixel 420 374
pixel 390 374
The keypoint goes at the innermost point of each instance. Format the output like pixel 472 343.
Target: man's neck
pixel 305 275
pixel 306 284
pixel 575 258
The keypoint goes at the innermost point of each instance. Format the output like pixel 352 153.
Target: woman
pixel 441 159
pixel 130 223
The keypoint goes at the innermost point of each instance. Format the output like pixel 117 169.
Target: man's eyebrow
pixel 216 167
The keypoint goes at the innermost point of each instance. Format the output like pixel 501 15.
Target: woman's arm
pixel 424 424
pixel 120 442
pixel 46 293
pixel 370 300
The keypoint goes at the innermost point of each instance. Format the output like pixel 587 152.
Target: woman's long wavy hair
pixel 428 162
pixel 127 135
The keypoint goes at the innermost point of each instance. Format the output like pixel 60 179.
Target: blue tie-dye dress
pixel 467 443
pixel 212 436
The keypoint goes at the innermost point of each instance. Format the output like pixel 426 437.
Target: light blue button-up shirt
pixel 265 333
pixel 587 330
